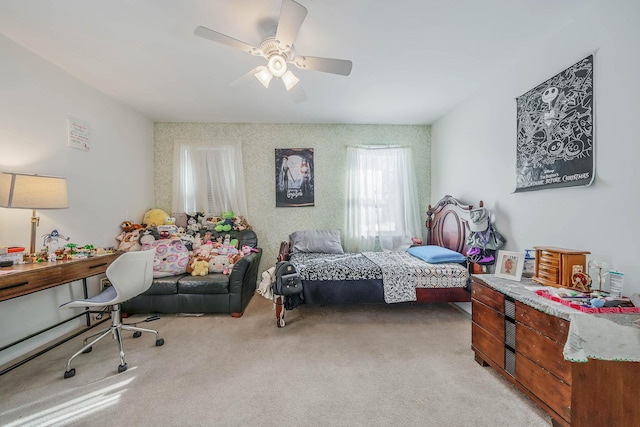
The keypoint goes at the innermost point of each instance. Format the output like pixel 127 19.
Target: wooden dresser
pixel 526 345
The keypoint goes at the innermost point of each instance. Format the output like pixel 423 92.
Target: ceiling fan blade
pixel 215 36
pixel 251 75
pixel 292 16
pixel 298 94
pixel 327 65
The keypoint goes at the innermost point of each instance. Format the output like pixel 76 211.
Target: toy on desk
pixel 50 241
pixel 580 280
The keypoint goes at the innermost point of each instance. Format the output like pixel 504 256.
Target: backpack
pixel 288 281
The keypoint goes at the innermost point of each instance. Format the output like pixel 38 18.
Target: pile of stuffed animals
pixel 191 243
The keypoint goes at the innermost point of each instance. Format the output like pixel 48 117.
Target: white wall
pixel 477 140
pixel 111 182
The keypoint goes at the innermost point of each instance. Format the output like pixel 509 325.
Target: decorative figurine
pixel 51 240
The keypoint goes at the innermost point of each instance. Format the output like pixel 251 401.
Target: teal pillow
pixel 436 254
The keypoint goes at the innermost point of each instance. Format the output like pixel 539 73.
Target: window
pixel 208 179
pixel 382 210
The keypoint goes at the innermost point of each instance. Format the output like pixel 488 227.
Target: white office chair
pixel 130 275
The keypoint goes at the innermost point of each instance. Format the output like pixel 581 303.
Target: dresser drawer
pixel 75 271
pixel 16 285
pixel 545 386
pixel 550 258
pixel 487 296
pixel 487 344
pixel 543 351
pixel 553 327
pixel 488 318
pixel 545 272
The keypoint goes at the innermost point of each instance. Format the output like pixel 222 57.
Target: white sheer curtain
pixel 208 179
pixel 382 209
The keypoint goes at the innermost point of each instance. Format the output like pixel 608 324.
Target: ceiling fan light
pixel 264 76
pixel 277 65
pixel 290 80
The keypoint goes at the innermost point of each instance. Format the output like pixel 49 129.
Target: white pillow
pixel 323 241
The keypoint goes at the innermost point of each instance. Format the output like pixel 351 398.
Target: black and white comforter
pixel 400 272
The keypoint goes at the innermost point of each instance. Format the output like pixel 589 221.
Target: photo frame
pixel 295 184
pixel 509 265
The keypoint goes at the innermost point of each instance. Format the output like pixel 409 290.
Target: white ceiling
pixel 413 60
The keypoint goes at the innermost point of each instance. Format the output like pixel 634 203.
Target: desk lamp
pixel 33 192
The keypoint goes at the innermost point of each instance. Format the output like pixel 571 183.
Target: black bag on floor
pixel 288 281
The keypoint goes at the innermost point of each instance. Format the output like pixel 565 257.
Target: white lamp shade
pixel 289 79
pixel 32 191
pixel 264 76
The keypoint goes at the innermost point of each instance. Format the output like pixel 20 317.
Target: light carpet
pixel 363 365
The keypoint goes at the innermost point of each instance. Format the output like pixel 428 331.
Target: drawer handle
pixel 15 285
pixel 98 265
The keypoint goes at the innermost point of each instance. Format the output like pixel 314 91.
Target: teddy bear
pixel 233 259
pixel 219 263
pixel 204 250
pixel 148 235
pixel 227 222
pixel 187 239
pixel 240 223
pixel 229 246
pixel 154 217
pixel 199 268
pixel 211 221
pixel 128 226
pixel 246 250
pixel 129 241
pixel 193 226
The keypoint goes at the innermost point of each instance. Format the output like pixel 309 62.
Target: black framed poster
pixel 555 131
pixel 294 177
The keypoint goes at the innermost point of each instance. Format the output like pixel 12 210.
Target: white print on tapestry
pixel 555 131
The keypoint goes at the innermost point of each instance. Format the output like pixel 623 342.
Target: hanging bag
pixel 287 280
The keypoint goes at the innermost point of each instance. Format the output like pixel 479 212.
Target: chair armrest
pixel 243 281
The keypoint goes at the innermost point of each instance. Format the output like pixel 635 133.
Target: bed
pixel 331 277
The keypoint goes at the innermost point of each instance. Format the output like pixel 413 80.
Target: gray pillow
pixel 324 241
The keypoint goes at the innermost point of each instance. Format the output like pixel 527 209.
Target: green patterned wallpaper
pixel 259 141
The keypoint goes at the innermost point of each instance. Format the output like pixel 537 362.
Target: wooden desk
pixel 24 279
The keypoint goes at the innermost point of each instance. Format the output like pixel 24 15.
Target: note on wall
pixel 79 134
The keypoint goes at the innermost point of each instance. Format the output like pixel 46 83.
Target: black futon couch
pixel 213 293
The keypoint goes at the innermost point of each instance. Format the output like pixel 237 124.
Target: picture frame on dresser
pixel 509 265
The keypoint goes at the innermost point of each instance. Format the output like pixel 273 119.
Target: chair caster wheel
pixel 159 342
pixel 122 368
pixel 71 372
pixel 137 334
pixel 88 350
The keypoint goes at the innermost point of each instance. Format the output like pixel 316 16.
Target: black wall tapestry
pixel 294 177
pixel 555 131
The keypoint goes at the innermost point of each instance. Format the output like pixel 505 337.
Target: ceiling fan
pixel 278 50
